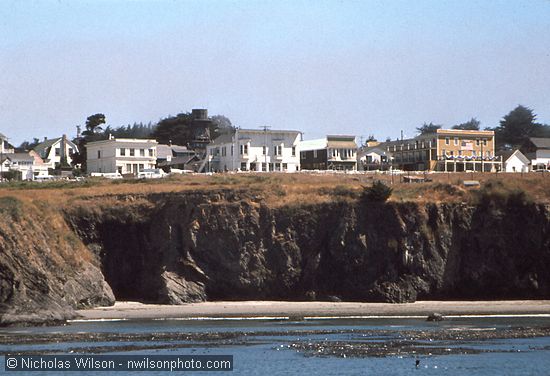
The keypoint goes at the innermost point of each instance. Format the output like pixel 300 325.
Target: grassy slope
pixel 290 189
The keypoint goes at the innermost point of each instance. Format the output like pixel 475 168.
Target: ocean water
pixel 282 347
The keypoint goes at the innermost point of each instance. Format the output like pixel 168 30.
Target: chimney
pixel 63 146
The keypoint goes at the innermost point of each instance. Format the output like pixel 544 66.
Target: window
pixel 264 150
pixel 477 142
pixel 98 154
pixel 460 152
pixel 132 152
pixel 244 149
pixel 264 167
pixel 314 153
pixel 122 152
pixel 224 151
pixel 485 142
pixel 243 165
pixel 303 155
pixel 57 152
pixel 285 166
pixel 142 152
pixel 447 141
pixel 294 151
pixel 278 150
pixel 151 152
pixel 141 167
pixel 128 167
pixel 231 150
pixel 456 141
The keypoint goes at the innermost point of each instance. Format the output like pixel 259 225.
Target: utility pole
pixel 2 159
pixel 265 128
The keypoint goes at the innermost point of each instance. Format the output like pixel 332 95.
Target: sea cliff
pixel 232 244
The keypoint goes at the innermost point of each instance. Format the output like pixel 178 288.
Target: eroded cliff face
pixel 176 248
pixel 231 245
pixel 45 270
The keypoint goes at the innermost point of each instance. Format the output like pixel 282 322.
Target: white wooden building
pixel 514 161
pixel 122 155
pixel 255 150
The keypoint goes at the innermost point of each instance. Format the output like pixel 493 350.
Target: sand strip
pixel 133 310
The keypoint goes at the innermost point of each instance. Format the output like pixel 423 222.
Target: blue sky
pixel 322 67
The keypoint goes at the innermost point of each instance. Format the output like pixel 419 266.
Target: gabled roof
pixel 507 154
pixel 373 149
pixel 540 143
pixel 2 136
pixel 163 151
pixel 179 161
pixel 44 145
pixel 14 157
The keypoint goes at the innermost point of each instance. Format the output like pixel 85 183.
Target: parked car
pixel 151 173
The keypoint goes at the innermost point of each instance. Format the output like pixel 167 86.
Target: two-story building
pixel 255 150
pixel 334 152
pixel 451 150
pixel 25 165
pixel 122 155
pixel 177 157
pixel 56 150
pixel 537 150
pixel 373 157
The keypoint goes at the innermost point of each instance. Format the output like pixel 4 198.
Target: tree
pixel 178 129
pixel 92 133
pixel 220 125
pixel 516 127
pixel 378 192
pixel 93 124
pixel 26 145
pixel 470 125
pixel 174 129
pixel 428 128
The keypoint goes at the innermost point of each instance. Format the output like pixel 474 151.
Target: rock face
pixel 45 270
pixel 175 248
pixel 228 244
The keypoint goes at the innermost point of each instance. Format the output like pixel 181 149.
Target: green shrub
pixel 497 193
pixel 11 207
pixel 377 192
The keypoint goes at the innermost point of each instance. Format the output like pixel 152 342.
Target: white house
pixel 537 150
pixel 122 155
pixel 255 150
pixel 5 147
pixel 514 161
pixel 374 158
pixel 52 151
pixel 27 165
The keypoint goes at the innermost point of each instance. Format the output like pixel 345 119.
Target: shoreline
pixel 320 310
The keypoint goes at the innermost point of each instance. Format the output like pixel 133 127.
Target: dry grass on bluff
pixel 300 188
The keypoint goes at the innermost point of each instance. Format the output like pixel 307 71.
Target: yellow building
pixel 446 150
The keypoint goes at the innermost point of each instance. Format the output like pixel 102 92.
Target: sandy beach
pixel 277 309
